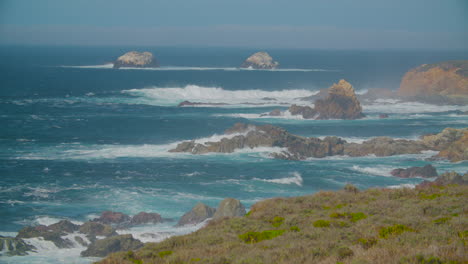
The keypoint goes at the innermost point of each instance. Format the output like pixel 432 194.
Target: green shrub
pixel 166 253
pixel 367 243
pixel 441 220
pixel 354 217
pixel 394 230
pixel 249 213
pixel 337 215
pixel 420 259
pixel 131 256
pixel 195 259
pixel 433 196
pixel 254 237
pixel 321 223
pixel 277 221
pixel 345 252
pixel 295 229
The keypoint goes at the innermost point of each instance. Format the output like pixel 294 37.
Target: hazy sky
pixel 334 24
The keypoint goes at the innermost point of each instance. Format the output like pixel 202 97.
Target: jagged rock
pixel 113 218
pixel 101 248
pixel 229 207
pixel 260 60
pixel 446 178
pixel 81 241
pixel 341 103
pixel 443 139
pixel 428 171
pixel 384 146
pixel 199 213
pixel 136 59
pixel 51 233
pixel 93 229
pixel 11 246
pixel 275 112
pixel 445 79
pixel 457 150
pixel 146 218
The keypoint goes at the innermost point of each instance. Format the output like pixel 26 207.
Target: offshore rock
pixel 113 218
pixel 199 213
pixel 428 171
pixel 446 178
pixel 260 60
pixel 101 248
pixel 11 246
pixel 146 218
pixel 306 112
pixel 457 150
pixel 443 82
pixel 136 59
pixel 93 229
pixel 384 146
pixel 229 207
pixel 51 233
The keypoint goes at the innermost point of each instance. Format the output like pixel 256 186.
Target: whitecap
pixel 377 170
pixel 296 178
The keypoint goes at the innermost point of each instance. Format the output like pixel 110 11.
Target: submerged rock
pixel 101 248
pixel 11 246
pixel 136 59
pixel 199 213
pixel 229 207
pixel 428 171
pixel 443 79
pixel 260 60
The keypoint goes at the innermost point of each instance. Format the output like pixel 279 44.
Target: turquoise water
pixel 79 137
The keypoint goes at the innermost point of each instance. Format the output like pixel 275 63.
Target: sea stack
pixel 443 79
pixel 136 59
pixel 260 60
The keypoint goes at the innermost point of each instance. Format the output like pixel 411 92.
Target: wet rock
pixel 275 112
pixel 81 241
pixel 11 246
pixel 113 218
pixel 428 171
pixel 51 233
pixel 199 213
pixel 260 60
pixel 384 146
pixel 93 229
pixel 146 218
pixel 136 59
pixel 229 207
pixel 306 112
pixel 103 247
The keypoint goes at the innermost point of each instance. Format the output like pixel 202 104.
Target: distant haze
pixel 320 24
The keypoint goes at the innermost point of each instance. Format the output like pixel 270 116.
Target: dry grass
pixel 378 226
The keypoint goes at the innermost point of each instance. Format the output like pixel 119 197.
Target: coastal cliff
pixel 136 59
pixel 260 60
pixel 444 79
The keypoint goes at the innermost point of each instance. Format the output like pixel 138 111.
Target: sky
pixel 314 24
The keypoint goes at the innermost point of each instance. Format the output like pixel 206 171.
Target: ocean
pixel 78 137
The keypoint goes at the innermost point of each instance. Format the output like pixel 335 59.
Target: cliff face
pixel 260 60
pixel 136 59
pixel 448 79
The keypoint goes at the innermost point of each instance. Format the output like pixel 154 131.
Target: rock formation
pixel 444 79
pixel 51 233
pixel 113 218
pixel 229 207
pixel 101 248
pixel 457 150
pixel 199 213
pixel 14 246
pixel 446 178
pixel 260 60
pixel 428 171
pixel 136 59
pixel 450 140
pixel 340 103
pixel 146 218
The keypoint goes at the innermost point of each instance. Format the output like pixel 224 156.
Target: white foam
pixel 193 68
pixel 393 106
pixel 102 66
pixel 377 170
pixel 404 185
pixel 296 178
pixel 215 95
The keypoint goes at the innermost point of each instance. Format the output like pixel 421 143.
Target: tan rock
pixel 136 59
pixel 260 60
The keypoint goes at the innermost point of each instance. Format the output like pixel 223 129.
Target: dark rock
pixel 81 241
pixel 11 246
pixel 229 207
pixel 306 112
pixel 384 146
pixel 199 213
pixel 51 233
pixel 93 229
pixel 103 247
pixel 428 171
pixel 146 218
pixel 275 112
pixel 113 218
pixel 446 178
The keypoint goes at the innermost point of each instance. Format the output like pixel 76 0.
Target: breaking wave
pixel 193 68
pixel 296 178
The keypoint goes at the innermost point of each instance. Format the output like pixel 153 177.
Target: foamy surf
pixel 296 178
pixel 193 68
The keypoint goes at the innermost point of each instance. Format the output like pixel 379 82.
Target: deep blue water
pixel 82 139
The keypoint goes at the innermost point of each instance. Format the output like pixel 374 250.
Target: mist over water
pixel 84 138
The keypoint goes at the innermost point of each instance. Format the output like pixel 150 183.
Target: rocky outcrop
pixel 340 103
pixel 229 207
pixel 457 150
pixel 260 60
pixel 384 146
pixel 444 79
pixel 11 246
pixel 101 248
pixel 146 218
pixel 93 229
pixel 295 147
pixel 113 218
pixel 428 171
pixel 51 233
pixel 136 59
pixel 199 213
pixel 446 178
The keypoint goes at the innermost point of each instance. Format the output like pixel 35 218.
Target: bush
pixel 321 223
pixel 354 217
pixel 345 252
pixel 386 232
pixel 295 229
pixel 277 221
pixel 163 254
pixel 367 243
pixel 254 237
pixel 441 220
pixel 351 188
pixel 420 259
